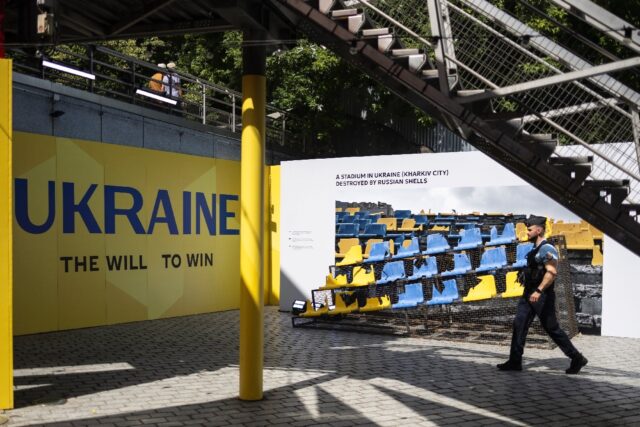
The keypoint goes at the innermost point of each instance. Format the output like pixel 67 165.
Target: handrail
pixel 200 100
pixel 397 23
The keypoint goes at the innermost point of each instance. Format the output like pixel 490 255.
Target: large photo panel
pixel 314 191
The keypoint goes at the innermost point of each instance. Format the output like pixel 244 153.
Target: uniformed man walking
pixel 539 299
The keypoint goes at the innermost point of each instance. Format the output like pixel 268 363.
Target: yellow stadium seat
pixel 362 277
pixel 310 312
pixel 486 289
pixel 569 227
pixel 548 228
pixel 341 307
pixel 440 228
pixel 353 256
pixel 377 303
pixel 579 240
pixel 391 223
pixel 521 231
pixel 352 210
pixel 367 249
pixel 409 225
pixel 514 288
pixel 331 282
pixel 345 244
pixel 338 209
pixel 597 234
pixel 597 257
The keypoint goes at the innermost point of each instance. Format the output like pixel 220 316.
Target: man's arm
pixel 551 267
pixel 550 275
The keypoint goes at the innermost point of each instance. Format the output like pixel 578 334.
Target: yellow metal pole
pixel 6 239
pixel 251 220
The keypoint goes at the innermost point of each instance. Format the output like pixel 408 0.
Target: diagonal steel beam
pixel 565 111
pixel 551 80
pixel 605 21
pixel 551 49
pixel 147 11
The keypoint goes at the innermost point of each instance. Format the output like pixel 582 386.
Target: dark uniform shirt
pixel 535 270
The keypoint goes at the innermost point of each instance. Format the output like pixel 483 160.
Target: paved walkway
pixel 184 372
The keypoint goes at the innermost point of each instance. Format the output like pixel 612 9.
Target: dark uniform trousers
pixel 545 308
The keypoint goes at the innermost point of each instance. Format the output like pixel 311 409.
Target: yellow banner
pixel 107 234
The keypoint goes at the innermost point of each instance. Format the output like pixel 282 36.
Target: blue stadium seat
pixel 402 214
pixel 436 244
pixel 421 219
pixel 340 215
pixel 362 223
pixel 448 295
pixel 461 265
pixel 427 269
pixel 379 252
pixel 522 250
pixel 411 297
pixel 391 272
pixel 398 239
pixel 347 230
pixel 347 219
pixel 470 239
pixel 373 217
pixel 508 235
pixel 492 258
pixel 408 251
pixel 374 230
pixel 360 215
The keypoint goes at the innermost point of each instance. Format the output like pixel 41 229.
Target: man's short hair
pixel 540 221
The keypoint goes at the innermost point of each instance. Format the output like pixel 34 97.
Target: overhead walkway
pixel 111 74
pixel 568 127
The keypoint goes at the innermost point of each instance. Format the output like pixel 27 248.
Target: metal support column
pixel 6 239
pixel 251 219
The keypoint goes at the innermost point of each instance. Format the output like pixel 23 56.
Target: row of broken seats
pixel 363 224
pixel 377 250
pixel 466 238
pixel 410 295
pixel 420 269
pixel 421 266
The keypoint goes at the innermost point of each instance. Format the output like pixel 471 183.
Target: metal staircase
pixel 568 127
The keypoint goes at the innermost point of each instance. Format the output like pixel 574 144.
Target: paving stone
pixel 184 371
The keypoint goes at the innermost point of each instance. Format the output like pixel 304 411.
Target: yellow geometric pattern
pixel 66 299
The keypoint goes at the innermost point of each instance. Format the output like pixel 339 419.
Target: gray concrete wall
pixel 96 118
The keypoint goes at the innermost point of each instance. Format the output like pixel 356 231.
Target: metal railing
pixel 125 78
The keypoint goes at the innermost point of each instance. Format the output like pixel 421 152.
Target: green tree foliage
pixel 330 98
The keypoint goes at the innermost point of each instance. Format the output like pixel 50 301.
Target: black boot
pixel 576 364
pixel 510 365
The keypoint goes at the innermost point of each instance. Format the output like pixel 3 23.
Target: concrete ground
pixel 184 371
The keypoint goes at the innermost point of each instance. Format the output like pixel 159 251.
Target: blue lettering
pixel 22 207
pixel 110 210
pixel 224 214
pixel 209 214
pixel 186 212
pixel 205 209
pixel 169 218
pixel 69 209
